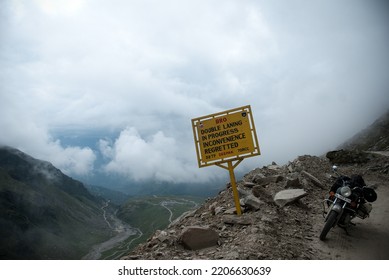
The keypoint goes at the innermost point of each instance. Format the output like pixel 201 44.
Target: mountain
pixel 45 214
pixel 362 147
pixel 373 138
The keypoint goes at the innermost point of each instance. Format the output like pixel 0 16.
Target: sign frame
pixel 225 137
pixel 235 130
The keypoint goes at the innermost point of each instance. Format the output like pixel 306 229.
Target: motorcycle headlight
pixel 345 191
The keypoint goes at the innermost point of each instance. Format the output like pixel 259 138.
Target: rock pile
pixel 281 207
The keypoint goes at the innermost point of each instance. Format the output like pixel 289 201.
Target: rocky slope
pixel 373 138
pixel 265 230
pixel 268 229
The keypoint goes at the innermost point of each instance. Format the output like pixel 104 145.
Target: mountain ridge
pixel 25 168
pixel 45 214
pixel 375 137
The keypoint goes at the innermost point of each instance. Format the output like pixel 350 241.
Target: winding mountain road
pixel 166 203
pixel 121 230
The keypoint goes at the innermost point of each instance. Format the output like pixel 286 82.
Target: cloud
pixel 60 7
pixel 158 157
pixel 34 140
pixel 314 72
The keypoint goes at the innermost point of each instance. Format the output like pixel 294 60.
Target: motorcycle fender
pixel 337 208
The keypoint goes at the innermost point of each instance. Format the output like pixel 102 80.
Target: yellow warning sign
pixel 225 136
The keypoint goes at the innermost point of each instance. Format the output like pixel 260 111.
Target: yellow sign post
pixel 225 137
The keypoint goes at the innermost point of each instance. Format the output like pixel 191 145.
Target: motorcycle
pixel 348 202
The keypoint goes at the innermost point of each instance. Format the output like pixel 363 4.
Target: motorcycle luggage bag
pixel 364 210
pixel 369 194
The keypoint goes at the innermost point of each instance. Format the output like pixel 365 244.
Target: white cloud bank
pixel 35 140
pixel 314 72
pixel 159 158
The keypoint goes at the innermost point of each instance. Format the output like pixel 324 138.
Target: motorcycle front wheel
pixel 329 224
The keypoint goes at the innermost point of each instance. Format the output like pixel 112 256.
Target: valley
pixel 121 233
pixel 136 224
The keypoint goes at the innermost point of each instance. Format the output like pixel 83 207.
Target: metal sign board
pixel 225 136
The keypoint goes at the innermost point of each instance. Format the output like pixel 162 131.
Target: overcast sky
pixel 130 75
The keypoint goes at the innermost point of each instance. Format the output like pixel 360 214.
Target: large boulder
pixel 251 202
pixel 347 157
pixel 264 181
pixel 285 197
pixel 196 238
pixel 262 193
pixel 293 183
pixel 313 179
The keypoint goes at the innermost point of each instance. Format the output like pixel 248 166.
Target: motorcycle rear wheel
pixel 329 224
